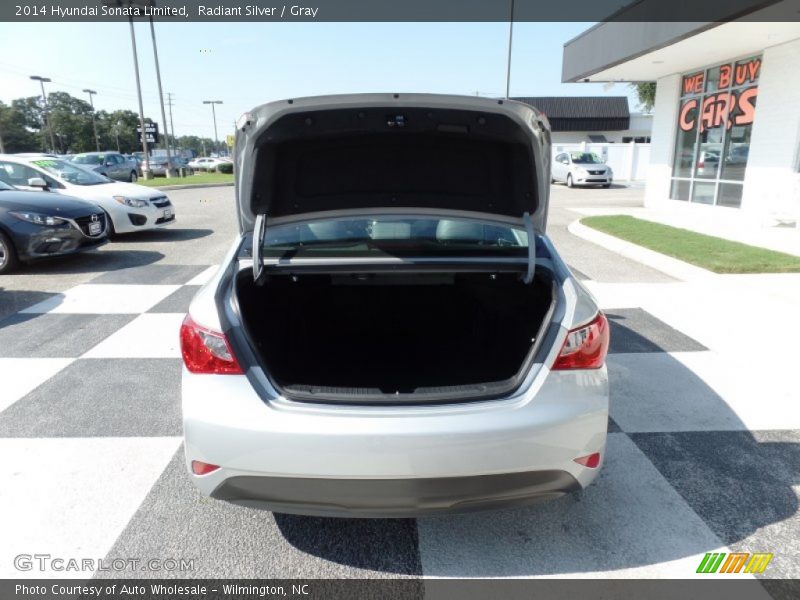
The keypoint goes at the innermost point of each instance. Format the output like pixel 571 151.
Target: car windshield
pixel 88 159
pixel 586 158
pixel 395 235
pixel 69 172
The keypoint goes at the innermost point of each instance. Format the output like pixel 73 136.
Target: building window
pixel 715 121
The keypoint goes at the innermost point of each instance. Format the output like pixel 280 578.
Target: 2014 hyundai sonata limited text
pixel 393 333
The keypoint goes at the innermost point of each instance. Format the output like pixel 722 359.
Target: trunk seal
pixel 242 346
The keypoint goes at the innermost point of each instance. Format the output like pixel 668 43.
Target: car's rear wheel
pixel 569 181
pixel 8 255
pixel 134 177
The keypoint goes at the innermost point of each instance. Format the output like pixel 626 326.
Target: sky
pixel 247 64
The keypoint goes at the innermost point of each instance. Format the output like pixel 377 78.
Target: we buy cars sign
pixel 151 133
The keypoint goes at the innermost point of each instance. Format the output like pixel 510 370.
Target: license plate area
pixel 95 228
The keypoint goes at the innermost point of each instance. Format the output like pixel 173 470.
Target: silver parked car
pixel 111 164
pixel 581 168
pixel 393 333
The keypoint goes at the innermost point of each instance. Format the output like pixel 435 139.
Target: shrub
pixel 225 168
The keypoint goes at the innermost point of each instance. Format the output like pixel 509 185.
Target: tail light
pixel 591 460
pixel 202 468
pixel 206 351
pixel 585 347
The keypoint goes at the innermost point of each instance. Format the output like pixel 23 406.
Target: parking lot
pixel 703 453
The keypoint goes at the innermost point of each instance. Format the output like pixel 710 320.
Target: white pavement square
pixel 152 335
pixel 71 498
pixel 202 278
pixel 18 376
pixel 629 523
pixel 103 299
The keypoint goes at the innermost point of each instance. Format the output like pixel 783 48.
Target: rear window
pixel 88 159
pixel 395 235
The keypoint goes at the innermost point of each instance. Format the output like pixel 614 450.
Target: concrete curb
pixel 655 260
pixel 189 186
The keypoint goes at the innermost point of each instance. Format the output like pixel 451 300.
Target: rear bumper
pixel 392 461
pixel 394 497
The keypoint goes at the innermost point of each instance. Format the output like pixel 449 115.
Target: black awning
pixel 583 113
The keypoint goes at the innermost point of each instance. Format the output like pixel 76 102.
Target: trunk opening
pixel 332 335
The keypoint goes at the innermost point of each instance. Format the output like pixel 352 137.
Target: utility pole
pixel 171 122
pixel 48 122
pixel 510 39
pixel 146 166
pixel 94 122
pixel 2 147
pixel 169 171
pixel 214 114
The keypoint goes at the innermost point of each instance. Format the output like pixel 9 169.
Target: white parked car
pixel 206 163
pixel 131 207
pixel 393 333
pixel 581 168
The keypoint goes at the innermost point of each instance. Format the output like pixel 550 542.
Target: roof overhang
pixel 645 51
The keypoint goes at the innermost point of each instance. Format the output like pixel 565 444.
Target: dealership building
pixel 726 121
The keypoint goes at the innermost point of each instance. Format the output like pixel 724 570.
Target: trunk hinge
pixel 258 246
pixel 526 219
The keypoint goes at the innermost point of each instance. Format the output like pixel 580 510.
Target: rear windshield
pixel 88 159
pixel 395 235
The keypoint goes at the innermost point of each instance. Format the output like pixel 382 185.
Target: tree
pixel 117 130
pixel 646 94
pixel 16 137
pixel 200 146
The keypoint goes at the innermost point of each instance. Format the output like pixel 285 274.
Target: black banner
pixel 400 589
pixel 400 10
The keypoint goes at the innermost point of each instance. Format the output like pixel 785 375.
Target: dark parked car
pixel 111 164
pixel 39 224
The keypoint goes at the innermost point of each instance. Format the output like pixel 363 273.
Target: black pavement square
pixel 178 301
pixel 230 541
pixel 636 330
pixel 101 398
pixel 152 275
pixel 53 335
pixel 742 483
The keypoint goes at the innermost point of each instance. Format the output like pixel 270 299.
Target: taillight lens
pixel 206 351
pixel 203 468
pixel 585 347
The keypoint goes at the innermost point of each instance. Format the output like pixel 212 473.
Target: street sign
pixel 229 139
pixel 151 133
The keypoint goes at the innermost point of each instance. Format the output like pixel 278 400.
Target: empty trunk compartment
pixel 374 334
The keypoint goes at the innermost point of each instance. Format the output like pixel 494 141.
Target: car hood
pixel 118 188
pixel 331 155
pixel 46 203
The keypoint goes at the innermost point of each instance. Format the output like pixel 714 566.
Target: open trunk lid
pixel 326 156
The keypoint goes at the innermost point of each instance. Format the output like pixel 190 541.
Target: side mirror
pixel 37 182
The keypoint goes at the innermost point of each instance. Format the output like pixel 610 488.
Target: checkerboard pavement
pixel 703 451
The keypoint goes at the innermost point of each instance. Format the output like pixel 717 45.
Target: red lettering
pixel 724 76
pixel 753 67
pixel 684 122
pixel 693 84
pixel 747 106
pixel 741 74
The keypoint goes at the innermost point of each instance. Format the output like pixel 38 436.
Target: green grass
pixel 192 179
pixel 712 253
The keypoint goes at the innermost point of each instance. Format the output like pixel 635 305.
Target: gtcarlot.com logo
pixel 736 562
pixel 47 562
